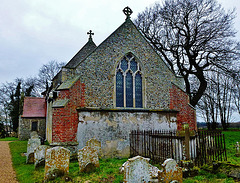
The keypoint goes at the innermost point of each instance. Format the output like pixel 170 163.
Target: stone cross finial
pixel 127 11
pixel 90 34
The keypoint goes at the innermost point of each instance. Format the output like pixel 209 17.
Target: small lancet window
pixel 129 83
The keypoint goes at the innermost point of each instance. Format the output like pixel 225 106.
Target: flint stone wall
pixel 25 127
pixel 112 128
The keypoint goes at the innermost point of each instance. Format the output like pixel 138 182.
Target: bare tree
pixel 236 92
pixel 193 37
pixel 216 103
pixel 208 105
pixel 46 74
pixel 225 99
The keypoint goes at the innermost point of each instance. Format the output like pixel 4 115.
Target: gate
pixel 210 147
pixel 159 145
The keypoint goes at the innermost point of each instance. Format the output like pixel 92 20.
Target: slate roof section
pixel 60 103
pixel 34 107
pixel 68 84
pixel 82 54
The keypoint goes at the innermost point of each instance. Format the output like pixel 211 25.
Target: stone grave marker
pixel 237 149
pixel 137 170
pixel 56 162
pixel 39 155
pixel 88 159
pixel 33 143
pixel 94 143
pixel 171 172
pixel 153 171
pixel 34 134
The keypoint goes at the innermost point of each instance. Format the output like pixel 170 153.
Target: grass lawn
pixel 9 139
pixel 109 168
pixel 231 137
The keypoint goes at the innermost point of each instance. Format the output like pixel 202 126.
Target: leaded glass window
pixel 138 90
pixel 129 90
pixel 119 89
pixel 129 83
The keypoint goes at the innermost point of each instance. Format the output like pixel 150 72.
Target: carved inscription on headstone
pixel 56 162
pixel 88 159
pixel 171 172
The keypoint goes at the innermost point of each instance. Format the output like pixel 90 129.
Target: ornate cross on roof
pixel 90 34
pixel 127 11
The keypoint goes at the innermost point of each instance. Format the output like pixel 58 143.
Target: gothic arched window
pixel 129 83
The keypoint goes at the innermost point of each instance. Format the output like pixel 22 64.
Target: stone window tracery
pixel 129 83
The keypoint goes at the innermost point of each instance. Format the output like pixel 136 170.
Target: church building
pixel 106 91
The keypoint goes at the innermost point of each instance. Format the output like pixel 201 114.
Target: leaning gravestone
pixel 153 171
pixel 33 143
pixel 39 155
pixel 56 162
pixel 94 143
pixel 87 159
pixel 137 170
pixel 171 172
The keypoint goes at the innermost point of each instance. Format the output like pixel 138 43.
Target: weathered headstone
pixel 94 143
pixel 34 134
pixel 137 170
pixel 87 159
pixel 33 143
pixel 171 172
pixel 39 155
pixel 56 162
pixel 153 171
pixel 237 150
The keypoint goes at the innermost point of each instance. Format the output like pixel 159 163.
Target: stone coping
pixel 68 83
pixel 60 103
pixel 126 110
pixel 63 143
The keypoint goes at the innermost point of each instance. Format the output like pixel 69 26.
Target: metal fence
pixel 159 145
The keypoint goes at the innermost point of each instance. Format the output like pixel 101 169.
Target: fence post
pixel 187 141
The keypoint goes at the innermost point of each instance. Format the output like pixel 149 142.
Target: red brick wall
pixel 65 119
pixel 179 100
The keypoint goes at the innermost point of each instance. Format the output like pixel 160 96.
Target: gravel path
pixel 7 174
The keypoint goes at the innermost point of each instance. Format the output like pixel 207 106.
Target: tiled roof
pixel 34 107
pixel 84 52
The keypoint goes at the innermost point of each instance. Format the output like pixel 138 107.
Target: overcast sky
pixel 34 32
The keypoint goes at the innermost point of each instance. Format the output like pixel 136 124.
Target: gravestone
pixel 87 159
pixel 33 143
pixel 153 171
pixel 56 162
pixel 39 155
pixel 94 143
pixel 137 170
pixel 34 134
pixel 171 172
pixel 237 150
